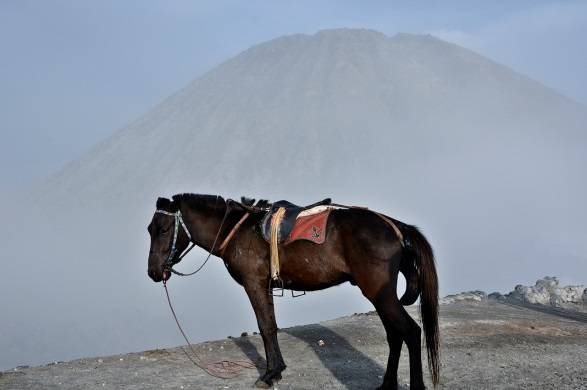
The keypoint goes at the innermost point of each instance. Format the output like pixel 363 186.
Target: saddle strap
pixel 275 225
pixel 388 220
pixel 231 234
pixel 398 232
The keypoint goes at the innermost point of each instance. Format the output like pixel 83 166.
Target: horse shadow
pixel 351 367
pixel 251 351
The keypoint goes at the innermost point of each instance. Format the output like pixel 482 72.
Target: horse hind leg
pixel 399 324
pixel 395 349
pixel 399 327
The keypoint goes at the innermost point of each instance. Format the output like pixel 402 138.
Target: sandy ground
pixel 486 345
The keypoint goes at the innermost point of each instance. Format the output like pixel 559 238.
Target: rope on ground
pixel 224 369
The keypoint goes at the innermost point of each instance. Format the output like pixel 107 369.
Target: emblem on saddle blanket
pixel 279 228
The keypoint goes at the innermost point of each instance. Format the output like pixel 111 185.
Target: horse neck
pixel 203 223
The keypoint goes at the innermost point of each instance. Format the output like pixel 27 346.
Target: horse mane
pixel 198 200
pixel 201 201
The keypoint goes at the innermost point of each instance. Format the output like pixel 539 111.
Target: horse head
pixel 169 238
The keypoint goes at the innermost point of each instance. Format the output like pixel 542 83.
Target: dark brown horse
pixel 360 248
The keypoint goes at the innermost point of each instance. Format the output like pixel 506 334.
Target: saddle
pixel 282 216
pixel 276 227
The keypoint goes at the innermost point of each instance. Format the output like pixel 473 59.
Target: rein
pixel 224 369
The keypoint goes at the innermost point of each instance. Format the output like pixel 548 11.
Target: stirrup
pixel 293 294
pixel 276 284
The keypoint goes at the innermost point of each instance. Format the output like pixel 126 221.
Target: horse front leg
pixel 262 304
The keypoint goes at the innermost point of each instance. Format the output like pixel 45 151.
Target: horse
pixel 360 248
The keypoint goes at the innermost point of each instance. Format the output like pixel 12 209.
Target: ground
pixel 487 345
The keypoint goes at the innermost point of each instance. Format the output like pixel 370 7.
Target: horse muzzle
pixel 158 276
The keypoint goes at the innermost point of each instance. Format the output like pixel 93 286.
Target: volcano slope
pixel 486 345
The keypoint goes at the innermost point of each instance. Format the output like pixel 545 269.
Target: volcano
pixel 487 161
pixel 349 112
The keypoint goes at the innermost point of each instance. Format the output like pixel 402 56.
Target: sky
pixel 74 72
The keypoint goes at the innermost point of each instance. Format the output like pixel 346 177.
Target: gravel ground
pixel 486 345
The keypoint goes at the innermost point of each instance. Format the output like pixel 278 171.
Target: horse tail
pixel 408 268
pixel 421 256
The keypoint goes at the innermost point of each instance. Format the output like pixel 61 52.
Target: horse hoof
pixel 261 384
pixel 388 387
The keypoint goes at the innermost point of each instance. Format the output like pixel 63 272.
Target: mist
pixel 486 161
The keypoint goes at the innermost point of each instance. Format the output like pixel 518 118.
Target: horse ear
pixel 247 201
pixel 163 204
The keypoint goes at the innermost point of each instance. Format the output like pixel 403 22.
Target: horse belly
pixel 308 266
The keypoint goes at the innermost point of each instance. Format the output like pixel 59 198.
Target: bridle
pixel 169 263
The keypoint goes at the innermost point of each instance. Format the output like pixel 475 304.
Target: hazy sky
pixel 73 72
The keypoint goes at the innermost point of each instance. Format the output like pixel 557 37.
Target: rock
pixel 468 296
pixel 496 296
pixel 555 300
pixel 572 294
pixel 547 291
pixel 518 293
pixel 548 283
pixel 538 295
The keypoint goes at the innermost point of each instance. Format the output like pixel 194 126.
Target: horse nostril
pixel 151 273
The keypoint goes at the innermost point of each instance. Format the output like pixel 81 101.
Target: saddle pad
pixel 311 227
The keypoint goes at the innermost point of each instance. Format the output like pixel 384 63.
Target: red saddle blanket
pixel 311 227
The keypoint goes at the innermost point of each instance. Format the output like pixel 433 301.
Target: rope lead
pixel 224 369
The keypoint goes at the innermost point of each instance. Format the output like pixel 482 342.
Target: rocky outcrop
pixel 548 291
pixel 467 296
pixel 496 296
